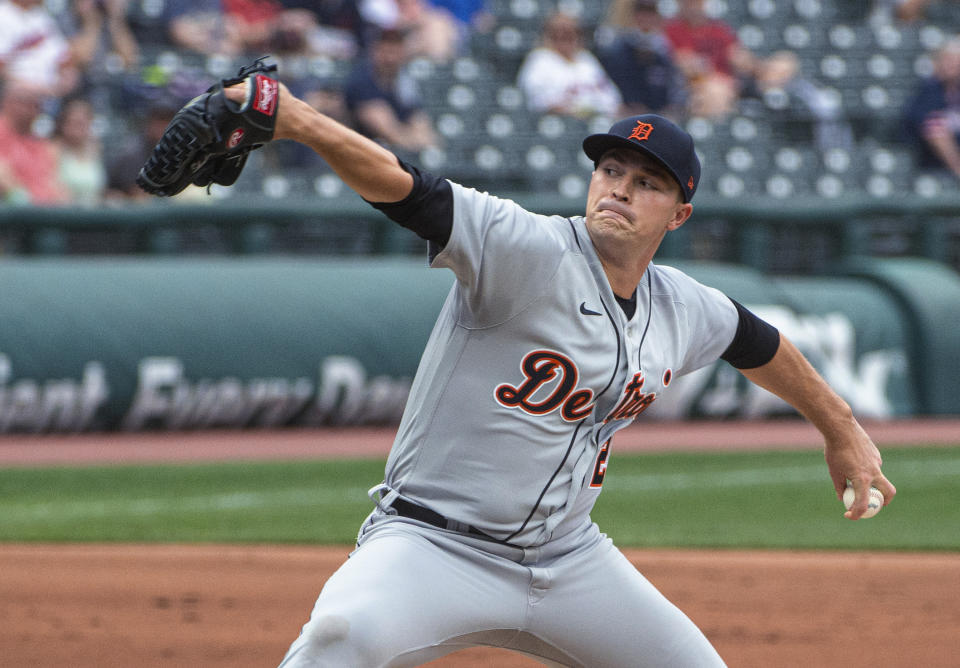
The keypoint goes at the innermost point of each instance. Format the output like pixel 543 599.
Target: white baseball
pixel 873 505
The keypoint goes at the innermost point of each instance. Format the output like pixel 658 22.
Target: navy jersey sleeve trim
pixel 754 344
pixel 426 210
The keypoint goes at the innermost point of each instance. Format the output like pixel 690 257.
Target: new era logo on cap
pixel 658 137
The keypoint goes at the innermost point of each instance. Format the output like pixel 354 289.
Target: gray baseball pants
pixel 411 593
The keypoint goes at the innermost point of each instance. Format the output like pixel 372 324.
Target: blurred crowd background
pixel 800 97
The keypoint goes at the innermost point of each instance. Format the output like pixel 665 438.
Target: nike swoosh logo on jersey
pixel 584 310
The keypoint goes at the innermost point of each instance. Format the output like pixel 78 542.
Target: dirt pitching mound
pixel 100 606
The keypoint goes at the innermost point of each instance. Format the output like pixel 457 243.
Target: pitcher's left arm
pixel 849 451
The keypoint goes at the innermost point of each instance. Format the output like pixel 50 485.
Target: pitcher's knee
pixel 327 630
pixel 338 641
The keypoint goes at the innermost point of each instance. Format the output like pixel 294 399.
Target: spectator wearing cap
pixel 638 57
pixel 383 100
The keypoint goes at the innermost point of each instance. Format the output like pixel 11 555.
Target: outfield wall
pixel 174 343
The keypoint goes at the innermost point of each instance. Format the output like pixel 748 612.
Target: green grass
pixel 776 500
pixel 773 500
pixel 317 501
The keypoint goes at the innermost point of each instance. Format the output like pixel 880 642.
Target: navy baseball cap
pixel 659 138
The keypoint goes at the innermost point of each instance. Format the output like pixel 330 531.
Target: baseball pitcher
pixel 557 333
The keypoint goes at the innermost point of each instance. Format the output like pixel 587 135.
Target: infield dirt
pixel 97 606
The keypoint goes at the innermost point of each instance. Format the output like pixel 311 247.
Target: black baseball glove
pixel 209 139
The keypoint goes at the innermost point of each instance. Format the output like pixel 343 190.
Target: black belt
pixel 417 512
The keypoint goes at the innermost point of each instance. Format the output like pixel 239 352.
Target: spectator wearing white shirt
pixel 561 76
pixel 34 49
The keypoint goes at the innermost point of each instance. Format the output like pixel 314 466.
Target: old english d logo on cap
pixel 658 137
pixel 641 132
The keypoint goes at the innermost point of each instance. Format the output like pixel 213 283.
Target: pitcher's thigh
pixel 608 615
pixel 396 602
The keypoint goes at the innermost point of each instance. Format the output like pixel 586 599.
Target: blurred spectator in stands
pixel 28 164
pixel 780 85
pixel 638 57
pixel 342 14
pixel 254 27
pixel 431 32
pixel 98 33
pixel 335 26
pixel 269 26
pixel 79 154
pixel 471 15
pixel 384 101
pixel 945 13
pixel 932 115
pixel 124 162
pixel 149 22
pixel 202 26
pixel 561 76
pixel 256 24
pixel 33 47
pixel 710 55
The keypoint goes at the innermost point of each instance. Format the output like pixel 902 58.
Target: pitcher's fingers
pixel 861 490
pixel 886 488
pixel 839 481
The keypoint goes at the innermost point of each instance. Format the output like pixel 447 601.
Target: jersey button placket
pixel 632 340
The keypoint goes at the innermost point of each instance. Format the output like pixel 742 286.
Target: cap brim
pixel 596 145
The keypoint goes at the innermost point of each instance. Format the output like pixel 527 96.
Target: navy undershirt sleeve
pixel 754 344
pixel 427 209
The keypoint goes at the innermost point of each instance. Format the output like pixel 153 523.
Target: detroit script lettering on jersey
pixel 553 372
pixel 635 400
pixel 540 368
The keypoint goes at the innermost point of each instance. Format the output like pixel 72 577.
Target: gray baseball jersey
pixel 532 367
pixel 530 370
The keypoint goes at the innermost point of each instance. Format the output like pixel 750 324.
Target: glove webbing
pixel 178 152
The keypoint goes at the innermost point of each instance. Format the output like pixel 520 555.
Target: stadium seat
pixel 833 186
pixel 890 172
pixel 800 37
pixel 760 38
pixel 745 159
pixel 730 185
pixel 520 12
pixel 782 186
pixel 813 11
pixel 933 184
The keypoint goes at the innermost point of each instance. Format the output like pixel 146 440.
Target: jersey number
pixel 600 469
